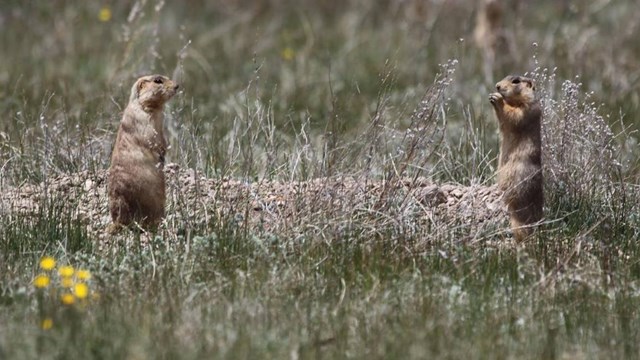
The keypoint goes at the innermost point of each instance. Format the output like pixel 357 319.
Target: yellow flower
pixel 288 54
pixel 67 299
pixel 41 281
pixel 65 271
pixel 66 282
pixel 105 14
pixel 81 290
pixel 83 274
pixel 46 323
pixel 47 263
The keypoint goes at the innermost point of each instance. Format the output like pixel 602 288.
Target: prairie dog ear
pixel 136 88
pixel 142 83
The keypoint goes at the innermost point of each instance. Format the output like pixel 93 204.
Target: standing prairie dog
pixel 136 183
pixel 519 165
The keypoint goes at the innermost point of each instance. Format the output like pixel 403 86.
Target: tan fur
pixel 519 165
pixel 136 180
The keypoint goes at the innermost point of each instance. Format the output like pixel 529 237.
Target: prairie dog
pixel 136 184
pixel 519 165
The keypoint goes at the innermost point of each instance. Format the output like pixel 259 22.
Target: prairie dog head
pixel 153 91
pixel 517 90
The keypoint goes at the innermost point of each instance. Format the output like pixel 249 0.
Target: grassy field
pixel 295 90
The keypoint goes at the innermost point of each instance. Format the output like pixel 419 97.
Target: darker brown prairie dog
pixel 519 165
pixel 136 183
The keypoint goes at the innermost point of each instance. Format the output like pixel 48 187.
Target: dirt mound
pixel 318 206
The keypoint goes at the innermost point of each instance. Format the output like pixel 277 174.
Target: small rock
pixel 448 188
pixel 88 185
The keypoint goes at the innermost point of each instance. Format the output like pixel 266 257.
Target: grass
pixel 289 91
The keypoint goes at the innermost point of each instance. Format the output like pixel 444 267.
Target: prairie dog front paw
pixel 495 98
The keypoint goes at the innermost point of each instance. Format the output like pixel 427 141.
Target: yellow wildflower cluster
pixel 72 284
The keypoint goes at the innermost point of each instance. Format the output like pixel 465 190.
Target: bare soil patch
pixel 320 206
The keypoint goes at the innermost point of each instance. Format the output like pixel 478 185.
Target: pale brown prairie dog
pixel 519 165
pixel 136 180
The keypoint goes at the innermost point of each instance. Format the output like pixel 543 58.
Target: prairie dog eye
pixel 515 81
pixel 158 80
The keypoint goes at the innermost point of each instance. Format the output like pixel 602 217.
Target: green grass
pixel 374 90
